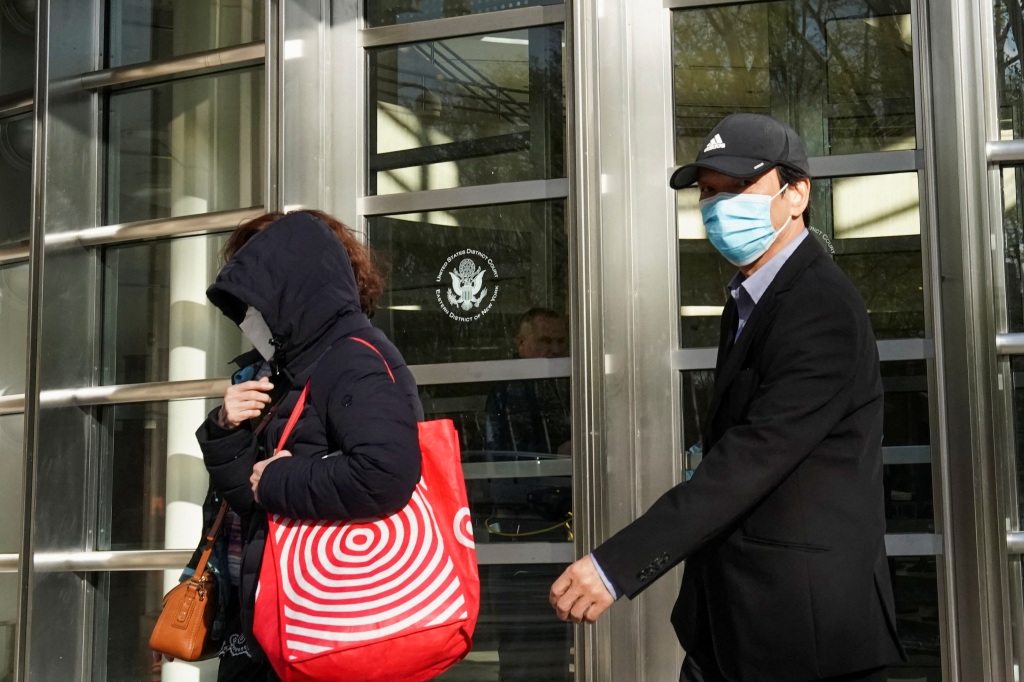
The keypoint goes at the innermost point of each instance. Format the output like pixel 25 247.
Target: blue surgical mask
pixel 739 226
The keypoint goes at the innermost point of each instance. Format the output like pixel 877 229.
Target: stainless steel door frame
pixel 622 66
pixel 963 117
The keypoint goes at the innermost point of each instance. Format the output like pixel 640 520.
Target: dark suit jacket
pixel 782 524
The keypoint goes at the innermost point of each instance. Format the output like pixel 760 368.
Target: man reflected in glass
pixel 530 419
pixel 534 415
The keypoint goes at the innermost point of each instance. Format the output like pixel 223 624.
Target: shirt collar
pixel 758 283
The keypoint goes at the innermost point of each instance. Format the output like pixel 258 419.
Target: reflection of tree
pixel 833 70
pixel 503 108
pixel 1009 22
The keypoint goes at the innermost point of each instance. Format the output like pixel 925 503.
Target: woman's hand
pixel 243 401
pixel 257 471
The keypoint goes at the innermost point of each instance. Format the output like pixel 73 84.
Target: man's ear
pixel 799 195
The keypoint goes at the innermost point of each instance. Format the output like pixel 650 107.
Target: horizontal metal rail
pixel 236 56
pixel 17 103
pixel 491 370
pixel 454 27
pixel 217 221
pixel 897 545
pixel 1015 543
pixel 175 559
pixel 14 253
pixel 889 350
pixel 1010 344
pixel 463 197
pixel 1005 152
pixel 425 375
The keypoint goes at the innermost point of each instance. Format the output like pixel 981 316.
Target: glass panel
pixel 153 477
pixel 132 600
pixel 461 280
pixel 15 177
pixel 159 324
pixel 186 147
pixel 390 12
pixel 1017 367
pixel 916 594
pixel 12 456
pixel 1013 251
pixel 465 111
pixel 517 637
pixel 13 327
pixel 841 73
pixel 487 284
pixel 906 437
pixel 871 225
pixel 17 47
pixel 147 30
pixel 516 440
pixel 1009 33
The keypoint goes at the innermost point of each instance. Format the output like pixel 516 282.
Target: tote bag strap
pixel 370 345
pixel 293 417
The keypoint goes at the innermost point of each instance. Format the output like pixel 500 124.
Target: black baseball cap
pixel 746 146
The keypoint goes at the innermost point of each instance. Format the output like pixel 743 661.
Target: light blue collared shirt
pixel 747 291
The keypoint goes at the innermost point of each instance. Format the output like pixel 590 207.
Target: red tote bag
pixel 389 599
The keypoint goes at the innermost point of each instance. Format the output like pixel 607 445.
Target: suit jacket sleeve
pixel 811 352
pixel 373 461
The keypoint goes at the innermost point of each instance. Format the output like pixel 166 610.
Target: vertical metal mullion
pixel 33 351
pixel 272 134
pixel 949 649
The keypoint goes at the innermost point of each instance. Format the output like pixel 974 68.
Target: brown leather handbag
pixel 183 628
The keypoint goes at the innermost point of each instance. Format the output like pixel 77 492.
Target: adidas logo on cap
pixel 714 143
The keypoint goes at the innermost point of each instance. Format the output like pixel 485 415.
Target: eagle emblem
pixel 467 290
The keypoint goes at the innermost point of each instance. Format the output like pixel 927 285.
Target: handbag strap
pixel 210 538
pixel 293 417
pixel 370 345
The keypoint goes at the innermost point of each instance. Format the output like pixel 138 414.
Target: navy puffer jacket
pixel 355 449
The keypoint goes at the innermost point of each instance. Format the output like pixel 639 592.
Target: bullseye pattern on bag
pixel 366 581
pixel 388 599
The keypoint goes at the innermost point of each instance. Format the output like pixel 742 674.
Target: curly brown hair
pixel 368 276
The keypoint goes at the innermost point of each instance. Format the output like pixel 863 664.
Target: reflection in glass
pixel 915 592
pixel 460 280
pixel 159 325
pixel 12 496
pixel 515 438
pixel 15 177
pixel 1017 367
pixel 186 147
pixel 1013 246
pixel 151 461
pixel 1009 33
pixel 147 30
pixel 475 110
pixel 906 437
pixel 870 225
pixel 517 636
pixel 13 327
pixel 17 47
pixel 390 12
pixel 840 73
pixel 132 600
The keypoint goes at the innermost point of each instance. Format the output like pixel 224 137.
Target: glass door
pixel 465 203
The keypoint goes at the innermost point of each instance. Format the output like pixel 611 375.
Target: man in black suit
pixel 782 525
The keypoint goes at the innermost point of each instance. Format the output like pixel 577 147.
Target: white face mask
pixel 256 330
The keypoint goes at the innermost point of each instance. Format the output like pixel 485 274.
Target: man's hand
pixel 579 593
pixel 257 472
pixel 243 401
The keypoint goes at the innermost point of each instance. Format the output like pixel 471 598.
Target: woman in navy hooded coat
pixel 354 452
